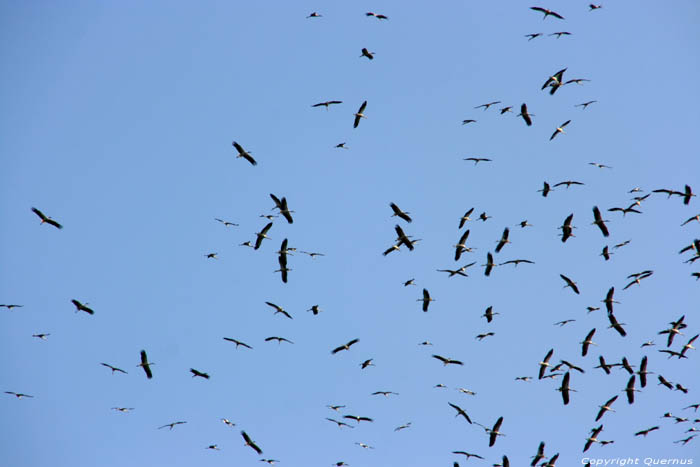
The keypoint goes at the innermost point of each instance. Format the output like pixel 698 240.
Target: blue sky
pixel 118 123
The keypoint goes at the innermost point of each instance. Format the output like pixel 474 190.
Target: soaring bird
pixel 560 129
pixel 426 299
pixel 583 105
pixel 447 361
pixel 326 104
pixel 249 442
pixel 460 411
pixel 360 114
pixel 489 314
pixel 238 343
pixel 171 425
pixel 18 395
pixel 564 388
pixel 504 239
pixel 283 208
pixel 146 365
pixel 486 106
pixel 545 189
pixel 592 7
pixel 555 81
pixel 559 34
pixel 570 283
pixel 467 454
pixel 262 235
pixel 226 223
pixel 198 373
pixel 367 53
pixel 279 309
pixel 605 407
pixel 609 300
pixel 358 419
pixel 244 154
pixel 593 438
pixel 494 432
pixel 526 116
pixel 616 325
pixel 345 346
pixel 567 229
pixel 629 389
pixel 461 245
pixel 278 339
pixel 457 272
pixel 314 15
pixel 539 455
pixel 598 220
pixel 113 368
pixel 643 372
pixel 545 363
pixel 82 307
pixel 398 212
pixel 587 342
pixel 646 432
pixel 533 36
pixel 546 12
pixel 476 160
pixel 339 423
pixel 11 306
pixel 489 264
pixel 47 220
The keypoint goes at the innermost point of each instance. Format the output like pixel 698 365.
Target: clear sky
pixel 118 119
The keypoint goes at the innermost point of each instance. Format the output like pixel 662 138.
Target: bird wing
pixel 278 202
pixel 239 148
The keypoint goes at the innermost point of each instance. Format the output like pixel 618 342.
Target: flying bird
pixel 146 365
pixel 555 81
pixel 82 307
pixel 461 245
pixel 587 342
pixel 447 361
pixel 238 343
pixel 476 160
pixel 367 53
pixel 244 154
pixel 226 223
pixel 564 388
pixel 278 339
pixel 360 114
pixel 249 442
pixel 504 239
pixel 283 208
pixel 398 212
pixel 460 411
pixel 326 104
pixel 494 432
pixel 279 309
pixel 426 299
pixel 486 106
pixel 113 368
pixel 489 264
pixel 629 390
pixel 545 363
pixel 262 235
pixel 598 220
pixel 567 229
pixel 198 373
pixel 533 36
pixel 345 346
pixel 560 129
pixel 570 283
pixel 171 425
pixel 547 12
pixel 526 116
pixel 584 105
pixel 47 220
pixel 605 407
pixel 18 395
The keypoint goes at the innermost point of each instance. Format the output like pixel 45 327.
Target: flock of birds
pixel 548 367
